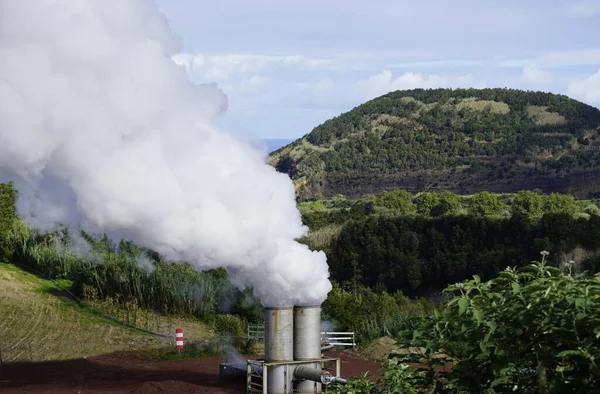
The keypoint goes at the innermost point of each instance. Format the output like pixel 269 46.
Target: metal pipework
pixel 307 345
pixel 317 375
pixel 279 346
pixel 307 333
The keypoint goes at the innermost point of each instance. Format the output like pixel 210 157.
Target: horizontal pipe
pixel 315 375
pixel 339 380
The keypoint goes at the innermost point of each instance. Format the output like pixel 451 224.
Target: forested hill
pixel 463 140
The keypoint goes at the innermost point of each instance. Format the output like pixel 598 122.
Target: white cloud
pixel 223 67
pixel 587 89
pixel 299 61
pixel 535 78
pixel 382 83
pixel 219 68
pixel 256 84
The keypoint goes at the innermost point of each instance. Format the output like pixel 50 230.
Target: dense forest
pixel 459 140
pixel 420 244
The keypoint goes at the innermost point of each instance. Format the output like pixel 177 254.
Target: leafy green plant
pixel 486 204
pixel 8 217
pixel 397 200
pixel 372 314
pixel 533 330
pixel 397 378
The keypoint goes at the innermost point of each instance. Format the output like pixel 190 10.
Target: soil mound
pixel 381 349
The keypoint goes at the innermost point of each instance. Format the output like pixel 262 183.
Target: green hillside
pixel 41 321
pixel 500 140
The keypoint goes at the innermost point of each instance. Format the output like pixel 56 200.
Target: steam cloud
pixel 99 128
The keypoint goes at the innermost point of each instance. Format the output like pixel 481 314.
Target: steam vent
pixel 293 362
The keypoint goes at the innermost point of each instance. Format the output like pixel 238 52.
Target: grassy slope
pixel 38 322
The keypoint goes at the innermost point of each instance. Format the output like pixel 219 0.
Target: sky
pixel 286 66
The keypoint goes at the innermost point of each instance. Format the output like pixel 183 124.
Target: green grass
pixel 39 321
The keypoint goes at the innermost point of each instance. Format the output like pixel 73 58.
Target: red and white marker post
pixel 179 338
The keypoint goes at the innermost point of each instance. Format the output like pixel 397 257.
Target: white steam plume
pixel 99 128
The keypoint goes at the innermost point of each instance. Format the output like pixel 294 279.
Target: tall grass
pixel 388 326
pixel 109 274
pixel 373 313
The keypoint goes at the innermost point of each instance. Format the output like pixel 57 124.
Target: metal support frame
pixel 257 377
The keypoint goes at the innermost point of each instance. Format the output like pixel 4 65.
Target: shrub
pixel 372 314
pixel 528 204
pixel 426 202
pixel 486 204
pixel 536 329
pixel 397 200
pixel 449 204
pixel 8 217
pixel 398 377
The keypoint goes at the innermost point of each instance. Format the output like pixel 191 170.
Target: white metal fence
pixel 256 332
pixel 337 338
pixel 333 338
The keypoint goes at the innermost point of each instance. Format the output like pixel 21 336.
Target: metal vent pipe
pixel 279 346
pixel 307 345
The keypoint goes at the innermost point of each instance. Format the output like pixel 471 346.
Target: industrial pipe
pixel 307 344
pixel 317 375
pixel 279 346
pixel 307 333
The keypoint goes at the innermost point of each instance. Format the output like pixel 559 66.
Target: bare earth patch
pixel 126 373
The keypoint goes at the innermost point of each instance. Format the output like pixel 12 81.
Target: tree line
pixel 420 244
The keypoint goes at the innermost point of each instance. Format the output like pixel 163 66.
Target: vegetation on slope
pixel 131 283
pixel 419 244
pixel 37 323
pixel 533 330
pixel 381 249
pixel 448 139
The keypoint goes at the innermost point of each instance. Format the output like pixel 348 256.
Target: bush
pixel 528 204
pixel 560 203
pixel 486 204
pixel 536 329
pixel 449 204
pixel 229 325
pixel 372 314
pixel 426 202
pixel 397 200
pixel 8 217
pixel 397 378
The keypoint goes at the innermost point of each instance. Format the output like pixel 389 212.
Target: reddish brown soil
pixel 131 374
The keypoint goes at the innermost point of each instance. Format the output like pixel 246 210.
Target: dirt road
pixel 126 373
